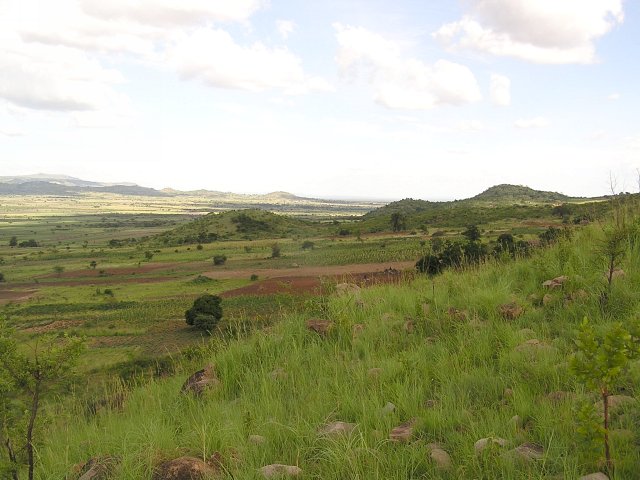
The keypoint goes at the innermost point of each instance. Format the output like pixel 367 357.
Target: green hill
pixel 249 224
pixel 519 194
pixel 473 355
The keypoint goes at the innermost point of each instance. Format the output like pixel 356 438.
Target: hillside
pixel 54 188
pixel 408 369
pixel 519 194
pixel 248 224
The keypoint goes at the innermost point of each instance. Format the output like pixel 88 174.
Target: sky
pixel 431 99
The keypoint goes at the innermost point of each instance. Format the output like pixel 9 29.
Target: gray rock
pixel 279 470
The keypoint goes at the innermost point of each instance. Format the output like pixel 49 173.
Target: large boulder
pixel 439 456
pixel 494 442
pixel 201 381
pixel 277 470
pixel 184 468
pixel 555 282
pixel 510 311
pixel 403 433
pixel 337 428
pixel 347 289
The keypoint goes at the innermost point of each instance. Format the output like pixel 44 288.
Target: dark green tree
pixel 205 312
pixel 472 233
pixel 398 222
pixel 13 241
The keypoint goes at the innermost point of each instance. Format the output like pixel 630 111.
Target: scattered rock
pixel 257 439
pixel 440 457
pixel 457 314
pixel 201 381
pixel 403 432
pixel 388 408
pixel 279 470
pixel 483 443
pixel 337 428
pixel 516 421
pixel 556 282
pixel 360 303
pixel 374 372
pixel 431 403
pixel 617 273
pixel 508 393
pixel 278 374
pixel 510 311
pixel 529 451
pixel 184 468
pixel 430 340
pixel 577 295
pixel 409 326
pixel 594 476
pixel 321 327
pixel 357 329
pixel 347 289
pixel 536 300
pixel 97 468
pixel 532 345
pixel 547 299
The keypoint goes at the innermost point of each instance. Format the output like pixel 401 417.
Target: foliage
pixel 205 312
pixel 398 222
pixel 28 243
pixel 600 363
pixel 13 241
pixel 58 270
pixel 472 233
pixel 308 245
pixel 148 255
pixel 25 379
pixel 275 250
pixel 2 279
pixel 219 259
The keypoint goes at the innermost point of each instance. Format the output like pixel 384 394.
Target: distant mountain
pixel 22 186
pixel 519 194
pixel 59 180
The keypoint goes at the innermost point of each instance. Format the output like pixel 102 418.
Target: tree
pixel 429 264
pixel 13 241
pixel 599 363
pixel 148 255
pixel 275 250
pixel 2 277
pixel 219 259
pixel 472 233
pixel 398 221
pixel 205 312
pixel 25 379
pixel 93 264
pixel 308 245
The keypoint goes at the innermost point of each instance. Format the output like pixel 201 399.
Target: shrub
pixel 28 243
pixel 275 250
pixel 199 246
pixel 219 259
pixel 148 255
pixel 254 277
pixel 1 277
pixel 205 312
pixel 429 264
pixel 308 244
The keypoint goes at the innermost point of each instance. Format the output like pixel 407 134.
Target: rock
pixel 347 289
pixel 97 468
pixel 532 345
pixel 321 327
pixel 374 372
pixel 201 381
pixel 278 470
pixel 510 311
pixel 440 457
pixel 184 468
pixel 430 340
pixel 403 432
pixel 357 329
pixel 508 393
pixel 594 476
pixel 295 265
pixel 458 314
pixel 409 326
pixel 257 439
pixel 278 374
pixel 337 428
pixel 516 421
pixel 617 273
pixel 556 282
pixel 388 408
pixel 529 451
pixel 360 303
pixel 536 300
pixel 547 299
pixel 483 443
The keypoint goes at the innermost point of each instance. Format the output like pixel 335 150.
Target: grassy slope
pixel 464 365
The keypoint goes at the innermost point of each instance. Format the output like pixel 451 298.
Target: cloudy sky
pixel 432 99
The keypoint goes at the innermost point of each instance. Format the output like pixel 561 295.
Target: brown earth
pixel 57 325
pixel 7 295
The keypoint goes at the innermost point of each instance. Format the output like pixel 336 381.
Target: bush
pixel 1 277
pixel 205 312
pixel 28 243
pixel 275 250
pixel 253 277
pixel 219 259
pixel 308 244
pixel 429 264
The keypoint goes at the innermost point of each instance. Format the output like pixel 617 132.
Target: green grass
pixel 451 373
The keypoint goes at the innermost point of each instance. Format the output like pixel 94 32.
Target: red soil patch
pixel 57 325
pixel 313 285
pixel 8 296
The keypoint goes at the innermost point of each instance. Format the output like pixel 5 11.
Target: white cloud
pixel 541 31
pixel 398 81
pixel 500 90
pixel 613 96
pixel 213 57
pixel 285 28
pixel 535 122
